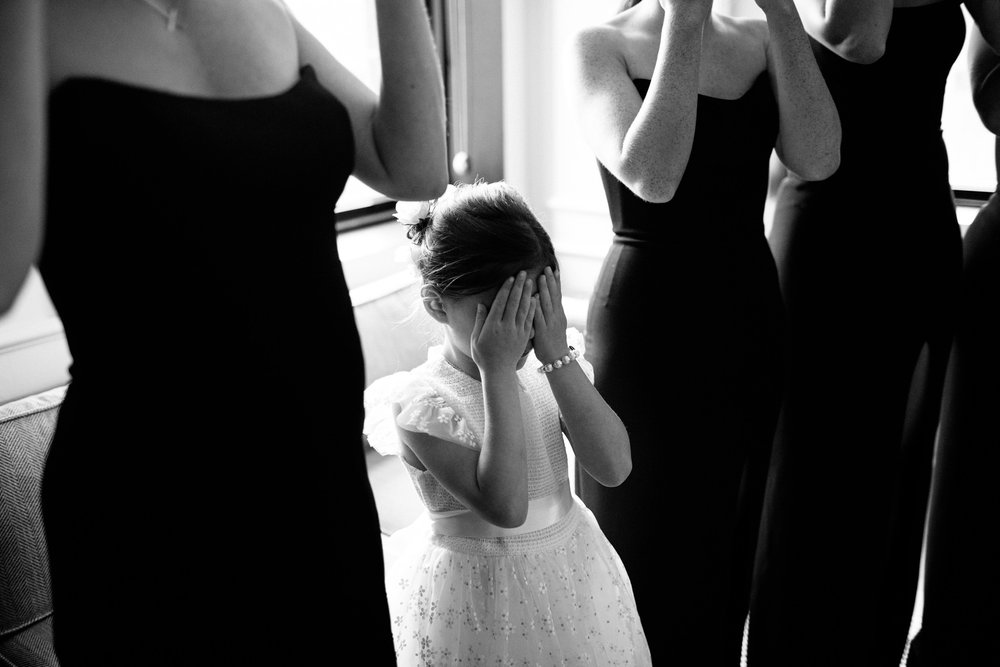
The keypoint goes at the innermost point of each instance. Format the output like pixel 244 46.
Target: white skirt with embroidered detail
pixel 554 596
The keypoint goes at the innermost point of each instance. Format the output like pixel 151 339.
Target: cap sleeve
pixel 411 403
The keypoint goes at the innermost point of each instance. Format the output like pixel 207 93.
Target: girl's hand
pixel 550 319
pixel 500 336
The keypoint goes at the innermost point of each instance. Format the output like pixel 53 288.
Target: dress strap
pixel 542 513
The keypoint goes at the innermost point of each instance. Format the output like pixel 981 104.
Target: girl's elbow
pixel 620 474
pixel 510 517
pixel 507 510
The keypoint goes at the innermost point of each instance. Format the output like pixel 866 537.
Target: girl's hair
pixel 477 236
pixel 626 4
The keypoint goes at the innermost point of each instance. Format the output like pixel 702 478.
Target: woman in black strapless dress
pixel 961 574
pixel 683 108
pixel 206 499
pixel 869 262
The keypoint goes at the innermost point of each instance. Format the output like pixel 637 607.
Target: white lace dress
pixel 465 592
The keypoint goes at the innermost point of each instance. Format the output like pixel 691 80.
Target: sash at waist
pixel 542 513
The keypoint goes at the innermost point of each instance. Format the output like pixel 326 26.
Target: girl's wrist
pixel 565 359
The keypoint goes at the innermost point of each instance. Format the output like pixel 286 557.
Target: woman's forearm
pixel 22 123
pixel 809 125
pixel 657 145
pixel 409 122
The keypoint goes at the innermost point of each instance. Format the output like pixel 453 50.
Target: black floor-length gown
pixel 961 609
pixel 684 331
pixel 869 261
pixel 206 499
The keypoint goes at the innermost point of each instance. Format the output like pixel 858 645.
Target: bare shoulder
pixel 619 44
pixel 597 42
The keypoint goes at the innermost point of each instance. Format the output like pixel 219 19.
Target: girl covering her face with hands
pixel 506 563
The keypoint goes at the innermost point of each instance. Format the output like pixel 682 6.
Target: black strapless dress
pixel 206 498
pixel 961 573
pixel 684 331
pixel 869 262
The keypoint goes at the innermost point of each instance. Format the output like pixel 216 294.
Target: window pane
pixel 348 29
pixel 970 145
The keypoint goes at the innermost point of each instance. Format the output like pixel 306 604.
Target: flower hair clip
pixel 417 215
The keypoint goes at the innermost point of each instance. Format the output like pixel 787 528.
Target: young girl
pixel 506 564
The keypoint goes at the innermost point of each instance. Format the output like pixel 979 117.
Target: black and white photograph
pixel 527 333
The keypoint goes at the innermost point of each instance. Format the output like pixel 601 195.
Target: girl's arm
pixel 22 136
pixel 808 123
pixel 399 134
pixel 599 439
pixel 492 481
pixel 645 143
pixel 984 73
pixel 855 30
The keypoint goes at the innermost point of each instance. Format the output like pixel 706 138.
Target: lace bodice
pixel 440 400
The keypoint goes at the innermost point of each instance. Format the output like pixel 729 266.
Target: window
pixel 970 145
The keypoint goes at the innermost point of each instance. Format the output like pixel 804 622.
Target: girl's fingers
pixel 538 318
pixel 556 284
pixel 500 300
pixel 481 314
pixel 525 305
pixel 514 296
pixel 544 296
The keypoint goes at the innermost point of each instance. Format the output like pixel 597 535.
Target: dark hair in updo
pixel 477 237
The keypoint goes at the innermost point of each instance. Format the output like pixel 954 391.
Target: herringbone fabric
pixel 26 428
pixel 31 647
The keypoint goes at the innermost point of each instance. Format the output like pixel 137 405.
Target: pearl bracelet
pixel 565 360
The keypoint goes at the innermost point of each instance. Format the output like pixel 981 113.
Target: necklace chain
pixel 169 14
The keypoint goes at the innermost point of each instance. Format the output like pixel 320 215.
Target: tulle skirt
pixel 555 596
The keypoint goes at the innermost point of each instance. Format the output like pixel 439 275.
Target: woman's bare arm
pixel 984 75
pixel 399 133
pixel 645 143
pixel 856 30
pixel 22 136
pixel 808 123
